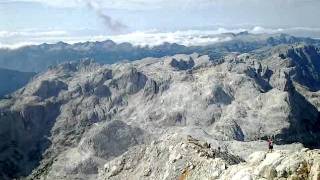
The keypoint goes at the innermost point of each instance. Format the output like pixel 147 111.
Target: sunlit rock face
pixel 87 121
pixel 176 157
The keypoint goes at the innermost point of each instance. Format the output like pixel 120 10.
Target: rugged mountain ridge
pixel 78 118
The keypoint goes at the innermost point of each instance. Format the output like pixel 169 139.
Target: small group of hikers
pixel 270 145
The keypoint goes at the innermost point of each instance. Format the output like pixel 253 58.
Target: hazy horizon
pixel 142 22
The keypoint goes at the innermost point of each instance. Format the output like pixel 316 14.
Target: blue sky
pixel 97 19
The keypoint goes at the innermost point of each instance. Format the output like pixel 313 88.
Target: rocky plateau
pixel 175 117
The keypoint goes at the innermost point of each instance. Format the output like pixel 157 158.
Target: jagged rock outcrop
pixel 181 64
pixel 87 121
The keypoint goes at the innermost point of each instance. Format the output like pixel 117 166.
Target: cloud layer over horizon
pixel 140 38
pixel 39 21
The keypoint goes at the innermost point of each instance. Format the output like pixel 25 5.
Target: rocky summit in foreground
pixel 179 117
pixel 174 158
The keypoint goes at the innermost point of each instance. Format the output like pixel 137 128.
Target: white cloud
pixel 187 38
pixel 15 45
pixel 259 30
pixel 14 34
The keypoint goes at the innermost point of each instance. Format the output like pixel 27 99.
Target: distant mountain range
pixel 38 58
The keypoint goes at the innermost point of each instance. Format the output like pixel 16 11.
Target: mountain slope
pixel 12 80
pixel 77 119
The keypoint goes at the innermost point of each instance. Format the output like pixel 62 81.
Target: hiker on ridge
pixel 270 144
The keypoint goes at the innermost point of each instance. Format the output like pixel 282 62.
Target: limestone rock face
pixel 170 157
pixel 175 157
pixel 46 89
pixel 111 139
pixel 277 165
pixel 129 120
